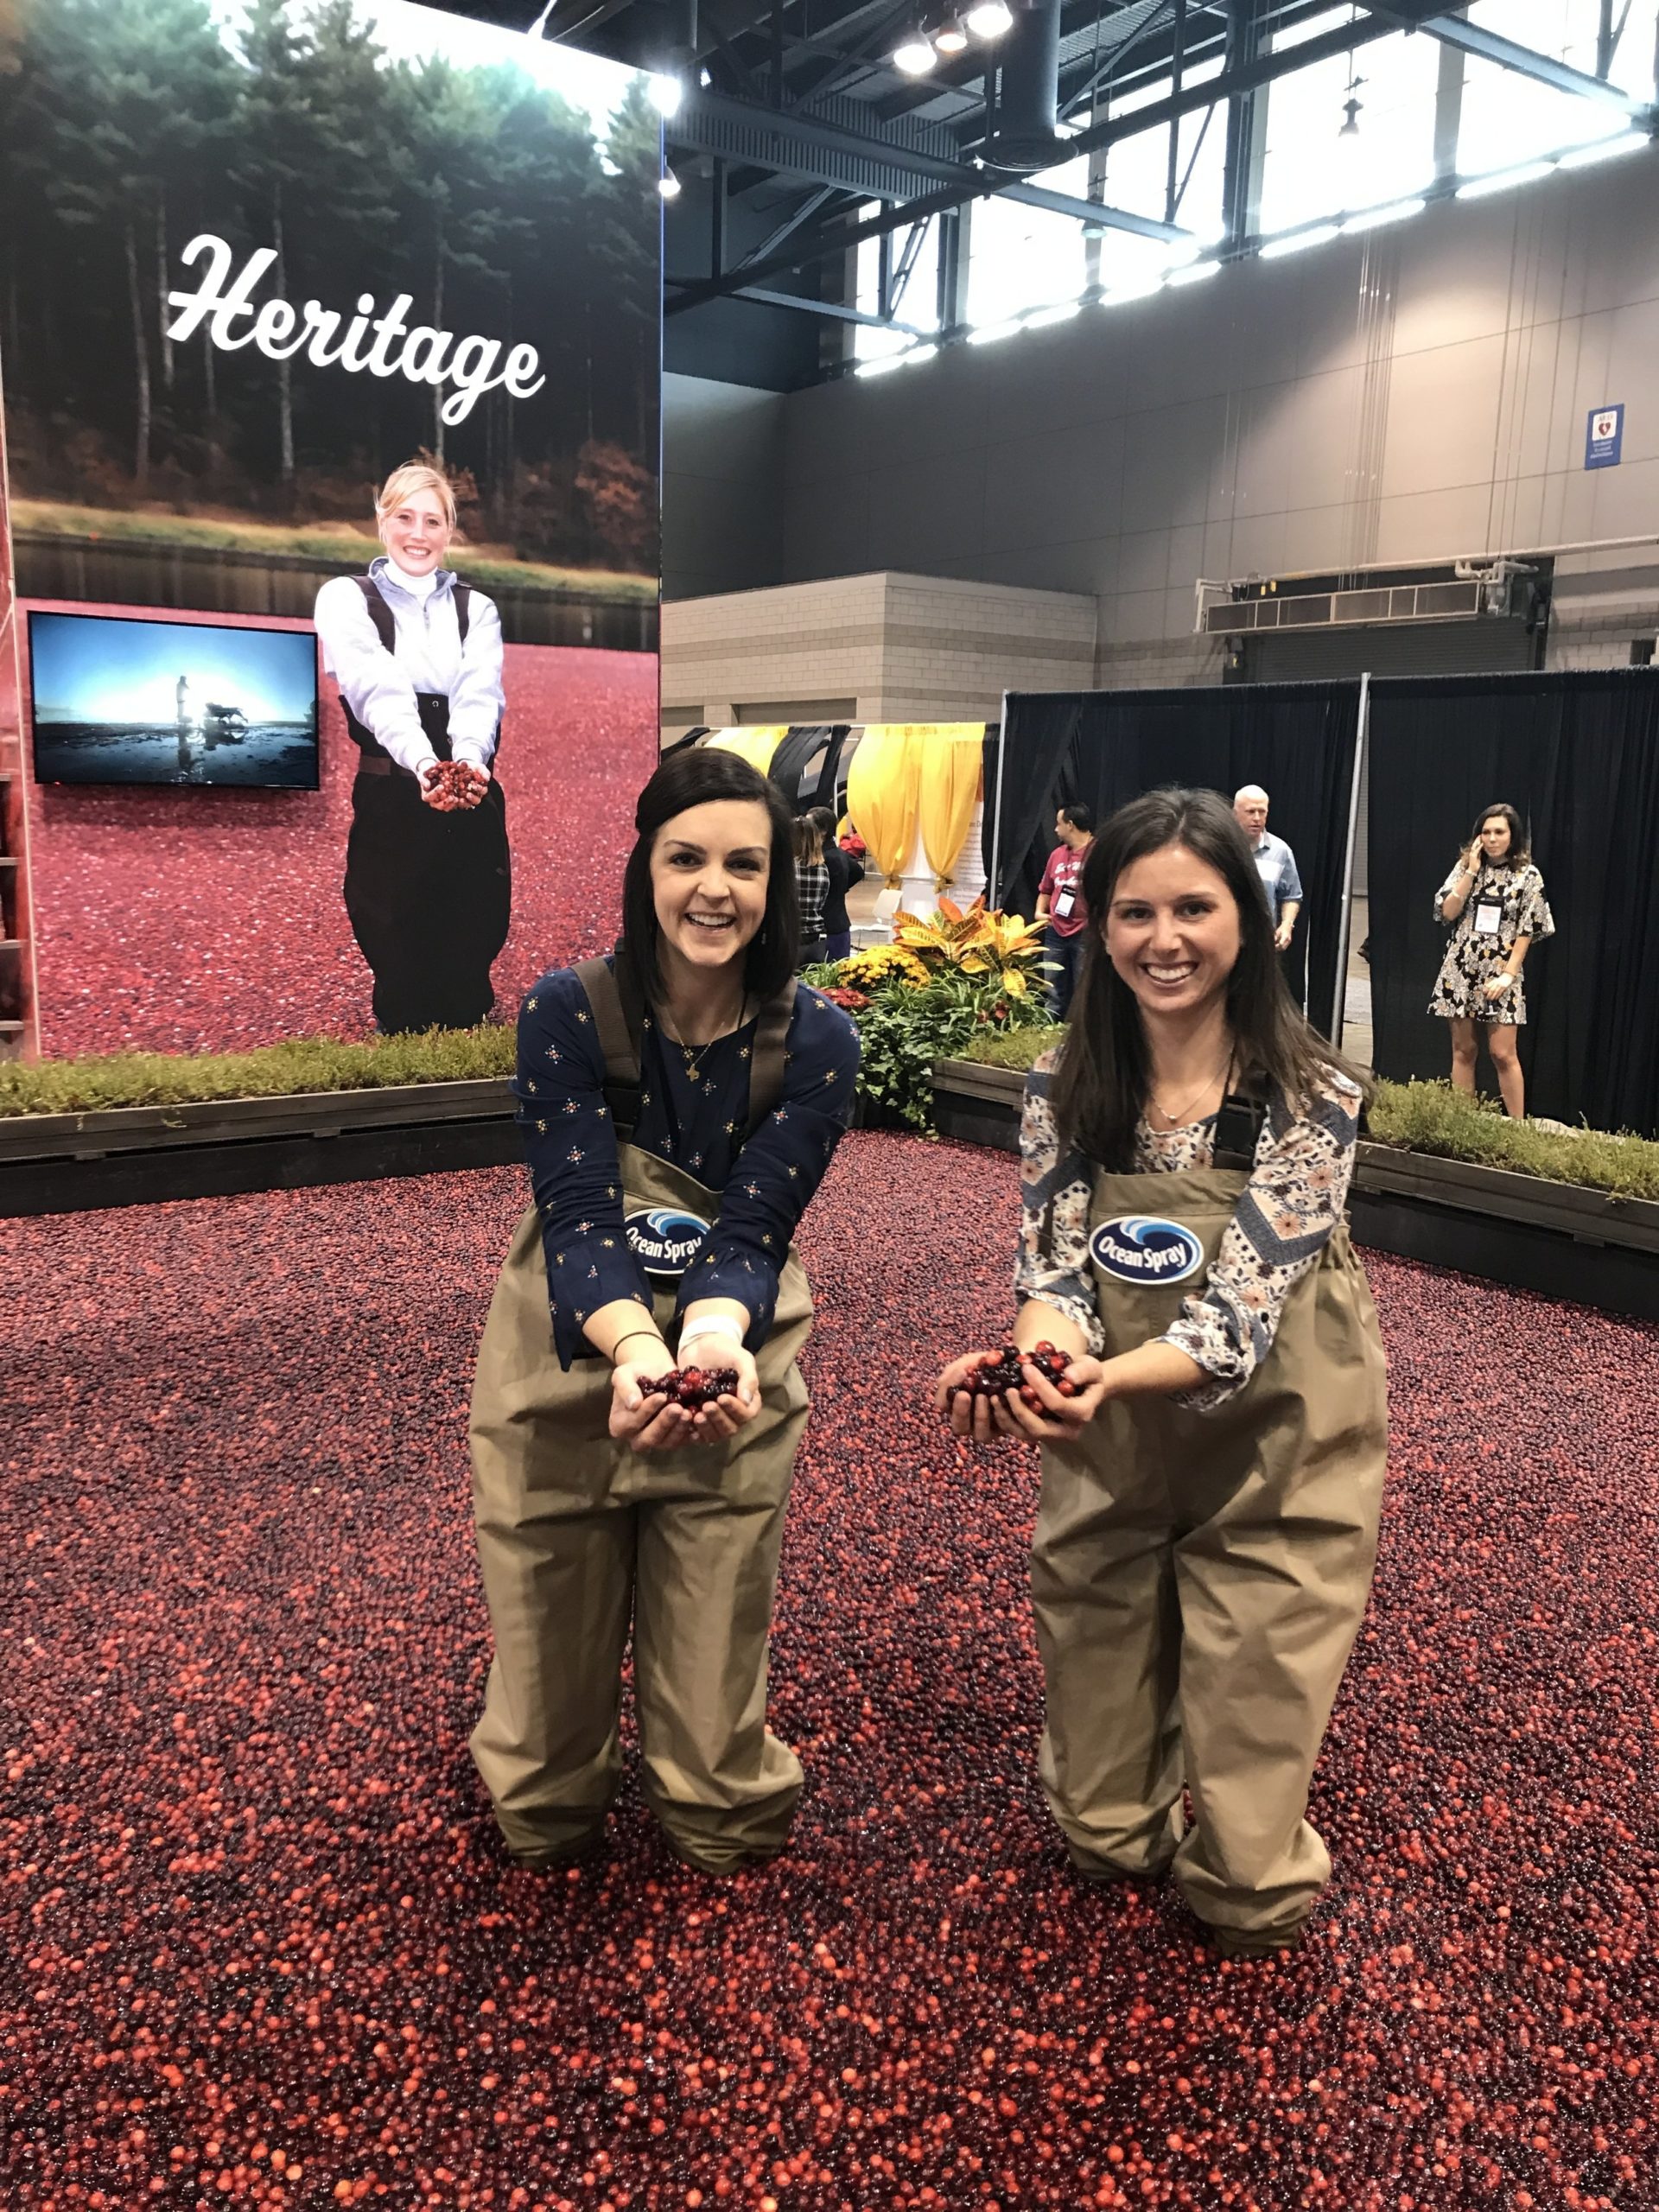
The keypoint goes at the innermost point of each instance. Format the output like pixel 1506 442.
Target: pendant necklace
pixel 1186 1105
pixel 692 1053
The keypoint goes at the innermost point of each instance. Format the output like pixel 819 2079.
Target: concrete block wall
pixel 879 647
pixel 1412 394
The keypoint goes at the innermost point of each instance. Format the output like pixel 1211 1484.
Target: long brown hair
pixel 1520 850
pixel 1102 1083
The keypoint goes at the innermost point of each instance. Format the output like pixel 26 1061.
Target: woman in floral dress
pixel 1494 900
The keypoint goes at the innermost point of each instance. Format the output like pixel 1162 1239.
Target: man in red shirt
pixel 1059 903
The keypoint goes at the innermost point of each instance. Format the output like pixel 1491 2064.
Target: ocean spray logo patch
pixel 1142 1247
pixel 664 1239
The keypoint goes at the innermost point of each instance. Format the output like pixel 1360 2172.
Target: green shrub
pixel 303 1064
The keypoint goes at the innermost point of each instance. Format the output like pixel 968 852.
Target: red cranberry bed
pixel 258 1943
pixel 208 921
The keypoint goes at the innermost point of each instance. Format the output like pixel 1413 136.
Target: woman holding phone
pixel 1494 900
pixel 1212 1467
pixel 680 1100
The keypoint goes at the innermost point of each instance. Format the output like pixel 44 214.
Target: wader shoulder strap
pixel 767 1069
pixel 618 1037
pixel 618 1008
pixel 380 613
pixel 1239 1124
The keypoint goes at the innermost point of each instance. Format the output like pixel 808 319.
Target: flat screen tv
pixel 143 699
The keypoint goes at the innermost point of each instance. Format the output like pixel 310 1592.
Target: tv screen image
pixel 135 700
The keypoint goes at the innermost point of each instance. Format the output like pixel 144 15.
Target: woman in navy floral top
pixel 680 1102
pixel 690 1114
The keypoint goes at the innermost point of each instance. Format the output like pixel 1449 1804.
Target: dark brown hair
pixel 1101 1084
pixel 1520 844
pixel 692 779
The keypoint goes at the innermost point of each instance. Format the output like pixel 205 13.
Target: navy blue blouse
pixel 696 1125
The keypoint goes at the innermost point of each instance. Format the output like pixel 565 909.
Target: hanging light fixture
pixel 990 19
pixel 914 52
pixel 668 185
pixel 952 39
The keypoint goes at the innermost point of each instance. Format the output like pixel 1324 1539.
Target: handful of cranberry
pixel 693 1387
pixel 1001 1374
pixel 452 780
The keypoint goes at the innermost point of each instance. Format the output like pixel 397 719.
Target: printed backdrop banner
pixel 251 259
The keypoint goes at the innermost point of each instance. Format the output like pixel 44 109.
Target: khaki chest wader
pixel 429 895
pixel 1198 1580
pixel 578 1535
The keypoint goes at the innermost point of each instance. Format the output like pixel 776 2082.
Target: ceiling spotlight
pixel 990 19
pixel 1350 112
pixel 668 185
pixel 665 92
pixel 952 39
pixel 914 53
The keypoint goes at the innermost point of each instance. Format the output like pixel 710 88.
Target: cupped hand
pixel 1496 987
pixel 713 1424
pixel 640 1416
pixel 470 786
pixel 1061 1415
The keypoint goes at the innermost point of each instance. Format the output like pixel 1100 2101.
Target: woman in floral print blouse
pixel 1494 901
pixel 1212 1470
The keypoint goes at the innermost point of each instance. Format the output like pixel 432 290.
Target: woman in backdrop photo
pixel 637 1404
pixel 1212 1471
pixel 1494 900
pixel 417 656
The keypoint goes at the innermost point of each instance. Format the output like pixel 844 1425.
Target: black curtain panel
pixel 1297 741
pixel 1577 755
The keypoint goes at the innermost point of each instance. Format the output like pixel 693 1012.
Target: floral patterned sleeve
pixel 1293 1200
pixel 1444 894
pixel 1052 1264
pixel 1533 916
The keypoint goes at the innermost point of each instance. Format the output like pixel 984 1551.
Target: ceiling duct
pixel 1024 135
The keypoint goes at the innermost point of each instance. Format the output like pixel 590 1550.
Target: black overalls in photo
pixel 429 894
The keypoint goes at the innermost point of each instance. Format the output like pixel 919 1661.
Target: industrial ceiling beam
pixel 793 144
pixel 831 309
pixel 1489 46
pixel 838 237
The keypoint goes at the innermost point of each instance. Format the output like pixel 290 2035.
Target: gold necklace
pixel 1186 1105
pixel 692 1053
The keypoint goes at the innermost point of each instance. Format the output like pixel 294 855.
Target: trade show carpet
pixel 196 920
pixel 259 1944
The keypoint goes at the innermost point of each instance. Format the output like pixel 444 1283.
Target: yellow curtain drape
pixel 883 788
pixel 952 759
pixel 756 744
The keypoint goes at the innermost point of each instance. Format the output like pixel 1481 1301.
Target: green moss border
pixel 303 1064
pixel 1446 1124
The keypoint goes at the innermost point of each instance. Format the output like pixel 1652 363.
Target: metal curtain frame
pixel 1361 740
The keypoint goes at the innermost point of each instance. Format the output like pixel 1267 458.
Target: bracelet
pixel 717 1325
pixel 656 1334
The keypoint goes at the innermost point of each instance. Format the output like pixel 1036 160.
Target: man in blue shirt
pixel 1275 861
